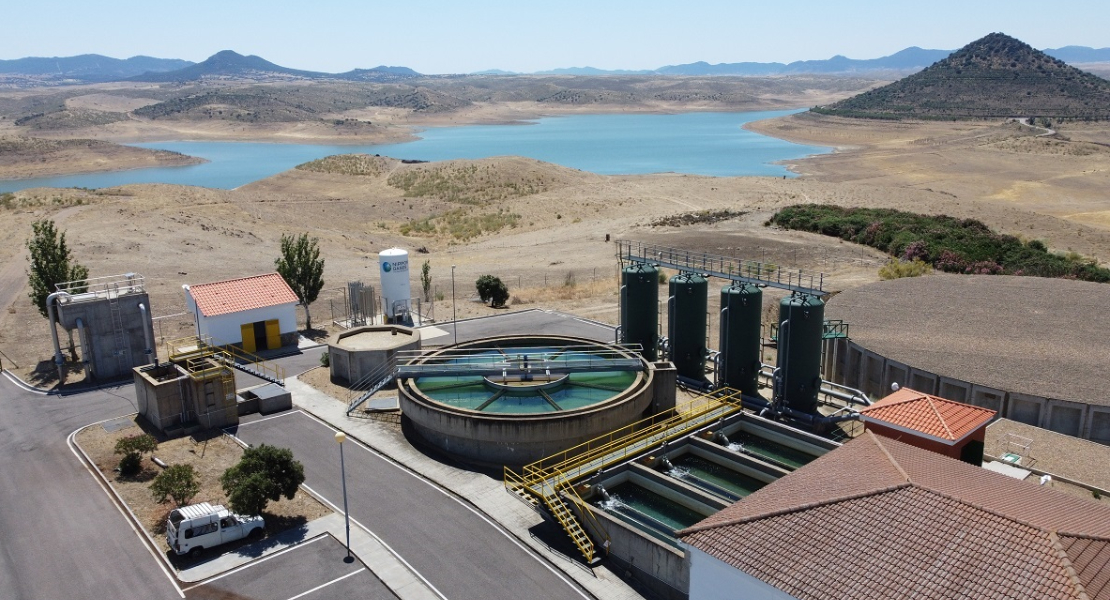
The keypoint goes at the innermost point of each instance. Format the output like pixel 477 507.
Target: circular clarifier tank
pixel 513 400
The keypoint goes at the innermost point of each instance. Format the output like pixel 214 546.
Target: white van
pixel 191 529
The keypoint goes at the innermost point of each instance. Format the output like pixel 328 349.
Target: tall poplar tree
pixel 302 268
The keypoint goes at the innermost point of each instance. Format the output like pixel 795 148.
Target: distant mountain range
pixel 995 76
pixel 96 68
pixel 90 67
pixel 908 60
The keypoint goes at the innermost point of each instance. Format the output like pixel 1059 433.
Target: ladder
pixel 117 323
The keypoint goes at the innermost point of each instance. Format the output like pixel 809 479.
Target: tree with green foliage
pixel 302 268
pixel 426 280
pixel 51 263
pixel 132 448
pixel 178 482
pixel 264 473
pixel 491 289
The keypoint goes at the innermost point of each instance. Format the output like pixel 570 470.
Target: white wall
pixel 713 579
pixel 227 328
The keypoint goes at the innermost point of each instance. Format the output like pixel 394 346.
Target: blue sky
pixel 435 36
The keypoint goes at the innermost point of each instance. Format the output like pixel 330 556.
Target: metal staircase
pixel 551 482
pixel 205 347
pixel 372 383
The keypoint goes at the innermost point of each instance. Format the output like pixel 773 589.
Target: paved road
pixel 60 536
pixel 525 321
pixel 312 570
pixel 457 551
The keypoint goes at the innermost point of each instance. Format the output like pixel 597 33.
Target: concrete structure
pixel 515 439
pixel 1030 348
pixel 111 316
pixel 173 396
pixel 954 429
pixel 265 399
pixel 878 518
pixel 358 353
pixel 256 313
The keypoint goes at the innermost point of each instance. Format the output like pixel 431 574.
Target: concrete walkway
pixel 486 494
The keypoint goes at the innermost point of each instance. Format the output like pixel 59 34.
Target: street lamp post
pixel 454 317
pixel 342 437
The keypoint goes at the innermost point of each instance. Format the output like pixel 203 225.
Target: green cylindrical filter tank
pixel 799 357
pixel 741 315
pixel 640 307
pixel 689 297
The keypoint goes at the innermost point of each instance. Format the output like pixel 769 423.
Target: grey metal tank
pixel 801 327
pixel 739 340
pixel 639 300
pixel 686 320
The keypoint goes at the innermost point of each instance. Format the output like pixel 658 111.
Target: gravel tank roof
pixel 1046 337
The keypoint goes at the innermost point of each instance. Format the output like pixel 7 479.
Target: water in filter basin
pixel 471 392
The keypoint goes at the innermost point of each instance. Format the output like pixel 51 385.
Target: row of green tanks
pixel 801 326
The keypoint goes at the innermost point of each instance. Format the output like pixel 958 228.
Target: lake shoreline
pixel 696 143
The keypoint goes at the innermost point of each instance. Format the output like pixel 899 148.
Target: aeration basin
pixel 516 399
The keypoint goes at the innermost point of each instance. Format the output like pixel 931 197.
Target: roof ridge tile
pixel 796 508
pixel 894 462
pixel 1069 568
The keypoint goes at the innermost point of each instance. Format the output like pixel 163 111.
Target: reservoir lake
pixel 696 143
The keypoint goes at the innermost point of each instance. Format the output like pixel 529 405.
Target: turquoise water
pixel 764 448
pixel 697 143
pixel 471 392
pixel 735 483
pixel 648 509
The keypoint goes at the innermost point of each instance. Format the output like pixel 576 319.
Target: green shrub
pixel 896 269
pixel 178 482
pixel 491 289
pixel 130 464
pixel 325 360
pixel 132 448
pixel 947 243
pixel 264 473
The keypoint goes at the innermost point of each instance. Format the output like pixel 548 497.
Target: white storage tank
pixel 396 292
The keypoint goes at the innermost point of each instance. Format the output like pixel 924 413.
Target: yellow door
pixel 273 334
pixel 247 329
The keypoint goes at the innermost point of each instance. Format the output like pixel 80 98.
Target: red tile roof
pixel 878 518
pixel 236 295
pixel 938 417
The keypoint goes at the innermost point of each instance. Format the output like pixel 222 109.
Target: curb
pixel 138 526
pixel 460 498
pixel 118 501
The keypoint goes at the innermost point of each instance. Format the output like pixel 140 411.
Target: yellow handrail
pixel 616 444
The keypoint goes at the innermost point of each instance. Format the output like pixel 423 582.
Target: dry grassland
pixel 1050 189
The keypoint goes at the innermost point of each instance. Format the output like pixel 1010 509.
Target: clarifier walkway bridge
pixel 551 482
pixel 493 363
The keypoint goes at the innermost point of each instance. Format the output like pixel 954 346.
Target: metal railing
pixel 103 287
pixel 194 347
pixel 543 480
pixel 734 269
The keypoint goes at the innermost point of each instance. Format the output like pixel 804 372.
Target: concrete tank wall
pixel 360 352
pixel 107 357
pixel 505 439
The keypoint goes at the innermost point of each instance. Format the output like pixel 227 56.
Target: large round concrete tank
pixel 686 324
pixel 801 327
pixel 396 292
pixel 640 307
pixel 741 315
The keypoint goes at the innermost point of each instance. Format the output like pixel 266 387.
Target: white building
pixel 258 313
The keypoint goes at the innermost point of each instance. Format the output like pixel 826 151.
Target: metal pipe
pixel 59 360
pixel 151 353
pixel 723 323
pixel 84 347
